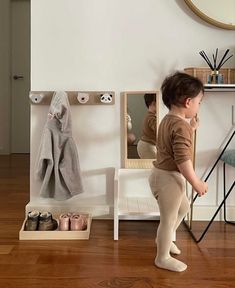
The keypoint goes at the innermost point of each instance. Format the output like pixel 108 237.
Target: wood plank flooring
pixel 101 261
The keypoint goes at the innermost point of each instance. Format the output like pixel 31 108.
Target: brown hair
pixel 179 86
pixel 149 98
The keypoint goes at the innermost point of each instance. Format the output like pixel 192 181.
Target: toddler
pixel 182 95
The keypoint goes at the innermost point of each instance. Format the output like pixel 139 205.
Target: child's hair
pixel 179 86
pixel 149 98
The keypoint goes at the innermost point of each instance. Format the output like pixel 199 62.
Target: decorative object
pixel 106 98
pixel 216 12
pixel 215 77
pixel 83 98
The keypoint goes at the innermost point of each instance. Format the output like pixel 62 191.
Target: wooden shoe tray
pixel 56 234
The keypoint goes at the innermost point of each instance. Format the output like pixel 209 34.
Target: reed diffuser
pixel 215 77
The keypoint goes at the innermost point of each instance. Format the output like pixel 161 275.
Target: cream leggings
pixel 168 187
pixel 146 150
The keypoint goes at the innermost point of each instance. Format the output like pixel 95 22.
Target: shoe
pixel 78 222
pixel 31 223
pixel 46 222
pixel 64 222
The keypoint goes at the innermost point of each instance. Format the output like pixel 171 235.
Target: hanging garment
pixel 57 164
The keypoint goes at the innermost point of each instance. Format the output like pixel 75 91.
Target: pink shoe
pixel 84 227
pixel 64 222
pixel 78 222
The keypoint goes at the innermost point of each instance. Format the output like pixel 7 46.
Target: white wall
pixel 4 76
pixel 120 45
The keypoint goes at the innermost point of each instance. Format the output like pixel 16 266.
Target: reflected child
pixel 146 146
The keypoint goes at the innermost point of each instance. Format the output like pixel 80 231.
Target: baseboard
pixel 205 213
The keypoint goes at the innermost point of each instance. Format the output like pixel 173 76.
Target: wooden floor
pixel 101 261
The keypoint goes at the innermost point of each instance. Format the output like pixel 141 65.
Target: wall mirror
pixel 216 12
pixel 139 123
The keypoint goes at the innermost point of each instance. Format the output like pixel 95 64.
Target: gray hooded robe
pixel 57 164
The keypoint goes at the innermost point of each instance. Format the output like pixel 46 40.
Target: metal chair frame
pixel 223 203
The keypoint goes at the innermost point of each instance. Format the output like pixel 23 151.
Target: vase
pixel 215 77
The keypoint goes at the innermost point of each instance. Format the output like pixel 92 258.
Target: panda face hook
pixel 106 98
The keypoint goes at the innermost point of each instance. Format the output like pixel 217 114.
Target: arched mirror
pixel 141 119
pixel 216 12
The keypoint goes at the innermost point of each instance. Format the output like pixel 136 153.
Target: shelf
pixel 203 73
pixel 219 87
pixel 56 234
pixel 138 206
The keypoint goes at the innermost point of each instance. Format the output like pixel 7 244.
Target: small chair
pixel 133 199
pixel 228 158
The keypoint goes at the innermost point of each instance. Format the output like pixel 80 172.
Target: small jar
pixel 215 77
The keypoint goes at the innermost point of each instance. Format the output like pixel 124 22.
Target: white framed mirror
pixel 216 12
pixel 140 119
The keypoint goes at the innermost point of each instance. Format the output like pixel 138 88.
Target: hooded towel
pixel 57 164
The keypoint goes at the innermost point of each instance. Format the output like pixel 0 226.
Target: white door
pixel 20 73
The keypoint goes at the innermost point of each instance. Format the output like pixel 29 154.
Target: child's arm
pixel 186 168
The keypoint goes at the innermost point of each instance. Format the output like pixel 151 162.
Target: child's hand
pixel 200 187
pixel 194 122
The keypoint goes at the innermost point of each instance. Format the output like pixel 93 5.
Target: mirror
pixel 216 12
pixel 140 128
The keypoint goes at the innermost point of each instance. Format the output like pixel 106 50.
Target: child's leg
pixel 184 207
pixel 169 204
pixel 168 188
pixel 173 249
pixel 183 210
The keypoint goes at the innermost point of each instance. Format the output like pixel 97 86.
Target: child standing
pixel 182 94
pixel 146 146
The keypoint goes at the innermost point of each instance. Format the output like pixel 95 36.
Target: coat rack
pixel 75 97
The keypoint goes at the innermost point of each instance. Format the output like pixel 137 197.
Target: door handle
pixel 16 77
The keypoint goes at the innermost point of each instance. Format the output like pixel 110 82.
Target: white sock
pixel 174 249
pixel 171 264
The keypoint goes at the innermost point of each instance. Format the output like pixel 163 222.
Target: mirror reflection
pixel 141 117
